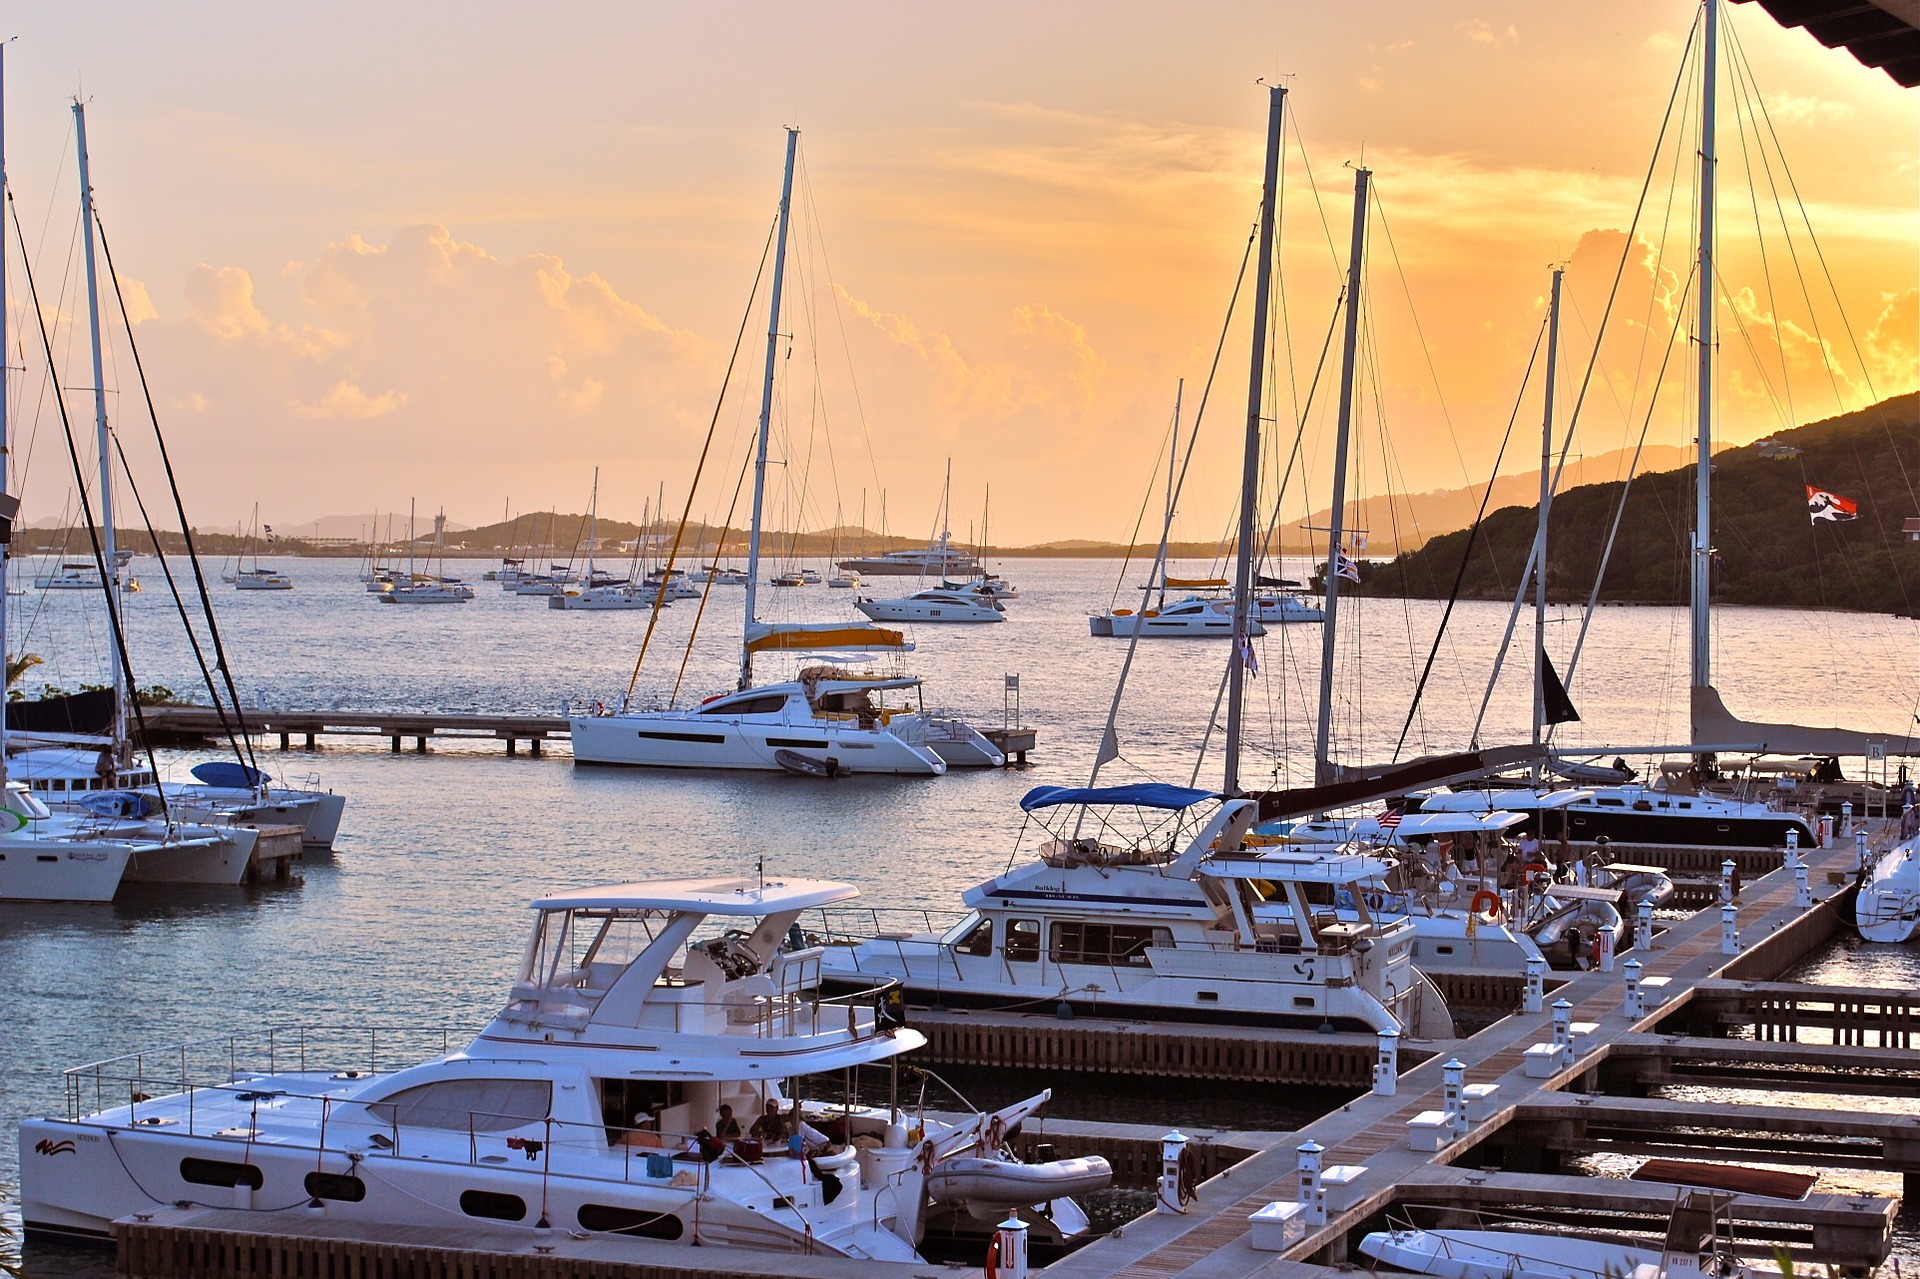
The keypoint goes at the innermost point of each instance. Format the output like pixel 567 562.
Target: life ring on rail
pixel 993 1257
pixel 1488 900
pixel 1535 868
pixel 599 709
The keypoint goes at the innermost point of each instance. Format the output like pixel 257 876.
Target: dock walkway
pixel 1213 1237
pixel 203 722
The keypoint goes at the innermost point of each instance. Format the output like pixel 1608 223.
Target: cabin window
pixel 629 1221
pixel 485 1105
pixel 1125 944
pixel 978 941
pixel 345 1187
pixel 1611 803
pixel 748 706
pixel 1023 941
pixel 488 1203
pixel 219 1172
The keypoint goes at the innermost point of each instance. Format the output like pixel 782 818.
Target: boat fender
pixel 1486 900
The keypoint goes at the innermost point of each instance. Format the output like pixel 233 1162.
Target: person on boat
pixel 1529 847
pixel 770 1129
pixel 645 1131
pixel 726 1127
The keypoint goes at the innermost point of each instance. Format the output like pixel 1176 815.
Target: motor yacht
pixel 1194 617
pixel 588 1103
pixel 1633 814
pixel 1180 922
pixel 940 560
pixel 935 606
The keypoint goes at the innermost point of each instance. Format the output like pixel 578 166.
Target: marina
pixel 1465 930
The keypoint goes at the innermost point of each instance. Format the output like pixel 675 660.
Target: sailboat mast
pixel 766 408
pixel 1540 533
pixel 1173 464
pixel 1250 469
pixel 1701 594
pixel 6 520
pixel 593 523
pixel 1323 770
pixel 112 555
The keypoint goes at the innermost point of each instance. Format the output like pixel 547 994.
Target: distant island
pixel 1767 550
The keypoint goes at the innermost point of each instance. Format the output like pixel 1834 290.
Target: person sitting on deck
pixel 645 1131
pixel 726 1127
pixel 770 1129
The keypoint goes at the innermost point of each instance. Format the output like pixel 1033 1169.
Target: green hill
pixel 1769 552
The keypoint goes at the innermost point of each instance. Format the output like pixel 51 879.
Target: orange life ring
pixel 1596 948
pixel 599 710
pixel 1534 867
pixel 993 1257
pixel 1488 900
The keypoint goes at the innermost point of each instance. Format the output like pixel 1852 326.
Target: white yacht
pixel 85 854
pixel 1635 814
pixel 835 717
pixel 941 560
pixel 1194 617
pixel 1888 906
pixel 445 591
pixel 936 605
pixel 832 718
pixel 75 576
pixel 608 597
pixel 587 1104
pixel 1152 930
pixel 262 579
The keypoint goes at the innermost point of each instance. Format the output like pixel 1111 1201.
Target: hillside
pixel 1769 552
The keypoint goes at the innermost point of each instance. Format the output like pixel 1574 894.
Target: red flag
pixel 1831 507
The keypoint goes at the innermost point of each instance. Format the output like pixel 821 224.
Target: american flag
pixel 1389 819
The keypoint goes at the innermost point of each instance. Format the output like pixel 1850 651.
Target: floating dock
pixel 203 723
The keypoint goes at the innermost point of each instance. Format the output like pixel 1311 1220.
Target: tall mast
pixel 412 543
pixel 105 443
pixel 1703 285
pixel 593 522
pixel 1540 533
pixel 6 534
pixel 1250 470
pixel 1173 464
pixel 1323 770
pixel 766 407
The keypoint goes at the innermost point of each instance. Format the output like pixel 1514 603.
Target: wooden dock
pixel 202 723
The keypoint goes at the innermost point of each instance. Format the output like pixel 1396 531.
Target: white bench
pixel 1430 1130
pixel 1274 1226
pixel 1479 1100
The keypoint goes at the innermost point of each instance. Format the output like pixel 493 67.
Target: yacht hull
pixel 41 874
pixel 1888 906
pixel 668 741
pixel 222 861
pixel 1208 625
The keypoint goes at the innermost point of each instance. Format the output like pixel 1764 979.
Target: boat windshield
pixel 587 947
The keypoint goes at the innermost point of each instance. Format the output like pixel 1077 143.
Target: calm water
pixel 419 915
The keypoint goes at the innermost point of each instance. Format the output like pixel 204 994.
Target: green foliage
pixel 19 664
pixel 1768 552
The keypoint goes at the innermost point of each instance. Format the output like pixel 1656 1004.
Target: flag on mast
pixel 1344 567
pixel 1831 507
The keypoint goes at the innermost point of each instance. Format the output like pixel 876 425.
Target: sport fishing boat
pixel 642 1017
pixel 935 605
pixel 831 718
pixel 1150 929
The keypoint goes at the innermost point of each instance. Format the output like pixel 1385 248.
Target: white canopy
pixel 721 895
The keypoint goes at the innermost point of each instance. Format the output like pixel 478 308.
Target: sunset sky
pixel 466 253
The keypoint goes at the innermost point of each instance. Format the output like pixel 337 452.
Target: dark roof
pixel 1880 33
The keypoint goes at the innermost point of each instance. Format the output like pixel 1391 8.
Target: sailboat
pixel 834 718
pixel 258 578
pixel 595 593
pixel 425 590
pixel 1148 902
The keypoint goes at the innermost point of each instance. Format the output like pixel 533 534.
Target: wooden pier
pixel 202 723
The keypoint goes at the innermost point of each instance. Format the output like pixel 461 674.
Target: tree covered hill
pixel 1768 551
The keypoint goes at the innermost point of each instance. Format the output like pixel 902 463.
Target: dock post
pixel 420 745
pixel 1536 984
pixel 510 748
pixel 1860 850
pixel 533 744
pixel 1635 1003
pixel 1727 868
pixel 1793 849
pixel 1802 890
pixel 1729 929
pixel 1313 1195
pixel 1846 819
pixel 1605 943
pixel 310 741
pixel 1452 1100
pixel 1010 1248
pixel 1643 925
pixel 1386 1071
pixel 285 741
pixel 1563 1030
pixel 396 745
pixel 1173 1147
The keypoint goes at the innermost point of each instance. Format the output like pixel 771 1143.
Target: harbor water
pixel 418 916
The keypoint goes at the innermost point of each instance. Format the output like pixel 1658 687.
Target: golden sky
pixel 466 253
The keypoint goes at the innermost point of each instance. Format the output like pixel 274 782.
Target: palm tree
pixel 19 665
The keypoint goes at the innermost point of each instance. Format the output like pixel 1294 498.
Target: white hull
pixel 1208 625
pixel 674 740
pixel 1888 907
pixel 221 861
pixel 961 745
pixel 608 602
pixel 55 872
pixel 907 611
pixel 1504 1254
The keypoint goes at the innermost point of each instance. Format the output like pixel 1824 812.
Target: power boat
pixel 940 560
pixel 1193 617
pixel 836 716
pixel 935 606
pixel 1286 607
pixel 1150 929
pixel 1634 814
pixel 642 1017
